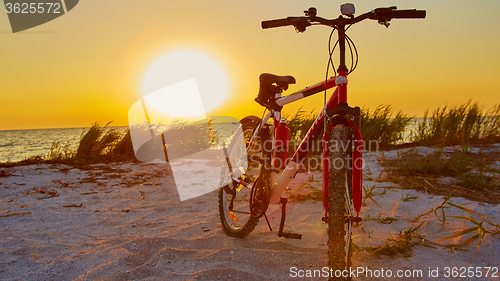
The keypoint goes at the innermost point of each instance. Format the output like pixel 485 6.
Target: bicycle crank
pixel 259 197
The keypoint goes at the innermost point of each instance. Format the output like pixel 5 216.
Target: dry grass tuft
pixel 478 228
pixel 422 171
pixel 399 246
pixel 95 143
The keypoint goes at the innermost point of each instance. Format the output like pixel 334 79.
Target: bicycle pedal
pixel 290 235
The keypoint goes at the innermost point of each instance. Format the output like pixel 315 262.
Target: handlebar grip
pixel 276 23
pixel 408 14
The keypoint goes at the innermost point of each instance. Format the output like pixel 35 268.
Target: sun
pixel 185 83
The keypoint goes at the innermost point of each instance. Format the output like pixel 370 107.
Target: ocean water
pixel 18 145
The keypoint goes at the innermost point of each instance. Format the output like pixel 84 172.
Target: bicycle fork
pixel 357 165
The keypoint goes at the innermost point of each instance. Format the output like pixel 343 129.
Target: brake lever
pixel 300 24
pixel 382 15
pixel 384 22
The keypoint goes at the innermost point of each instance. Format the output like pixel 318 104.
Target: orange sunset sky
pixel 89 64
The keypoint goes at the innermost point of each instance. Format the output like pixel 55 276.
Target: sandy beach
pixel 125 221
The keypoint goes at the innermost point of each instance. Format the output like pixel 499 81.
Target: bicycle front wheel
pixel 235 212
pixel 339 201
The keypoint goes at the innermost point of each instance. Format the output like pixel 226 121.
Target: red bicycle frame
pixel 339 96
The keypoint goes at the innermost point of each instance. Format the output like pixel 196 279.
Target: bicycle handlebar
pixel 392 13
pixel 408 14
pixel 276 23
pixel 383 15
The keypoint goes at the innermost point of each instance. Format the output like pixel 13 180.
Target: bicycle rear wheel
pixel 339 201
pixel 236 215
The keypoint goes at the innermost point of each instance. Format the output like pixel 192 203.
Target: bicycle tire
pixel 339 201
pixel 240 222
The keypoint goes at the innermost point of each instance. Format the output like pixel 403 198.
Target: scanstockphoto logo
pixel 25 14
pixel 169 124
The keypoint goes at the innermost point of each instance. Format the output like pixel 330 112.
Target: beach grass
pixel 124 149
pixel 467 123
pixel 299 123
pixel 383 126
pixel 464 124
pixel 60 151
pixel 422 171
pixel 96 142
pixel 103 144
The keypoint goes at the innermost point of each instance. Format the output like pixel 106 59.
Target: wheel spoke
pixel 241 212
pixel 236 217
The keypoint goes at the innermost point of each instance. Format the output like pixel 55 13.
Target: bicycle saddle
pixel 267 79
pixel 267 89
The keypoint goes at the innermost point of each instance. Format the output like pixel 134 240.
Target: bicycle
pixel 269 169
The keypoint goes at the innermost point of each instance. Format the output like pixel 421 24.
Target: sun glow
pixel 175 69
